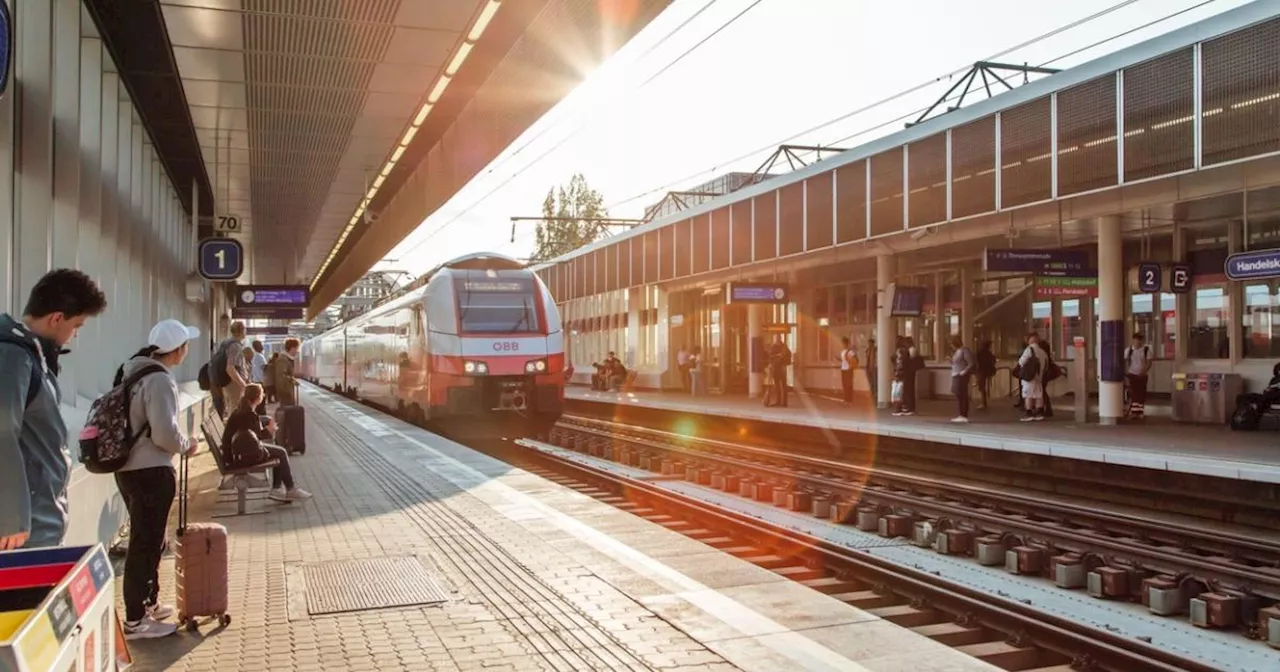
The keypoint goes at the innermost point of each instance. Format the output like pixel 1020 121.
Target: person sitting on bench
pixel 242 442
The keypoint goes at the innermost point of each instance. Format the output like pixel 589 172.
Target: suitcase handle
pixel 184 468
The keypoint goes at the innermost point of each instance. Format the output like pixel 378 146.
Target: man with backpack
pixel 1137 360
pixel 228 370
pixel 35 464
pixel 779 360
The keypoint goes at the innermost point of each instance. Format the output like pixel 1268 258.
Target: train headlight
pixel 535 366
pixel 478 368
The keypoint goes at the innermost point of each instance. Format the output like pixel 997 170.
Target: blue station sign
pixel 757 292
pixel 1253 265
pixel 221 259
pixel 1062 263
pixel 273 296
pixel 6 47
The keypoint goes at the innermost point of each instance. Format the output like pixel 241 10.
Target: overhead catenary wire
pixel 861 110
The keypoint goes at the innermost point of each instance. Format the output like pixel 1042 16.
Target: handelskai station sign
pixel 1253 265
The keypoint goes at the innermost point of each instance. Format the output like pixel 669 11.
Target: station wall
pixel 88 191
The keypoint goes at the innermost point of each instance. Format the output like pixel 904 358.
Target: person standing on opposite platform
pixel 848 364
pixel 35 465
pixel 872 369
pixel 963 363
pixel 1031 368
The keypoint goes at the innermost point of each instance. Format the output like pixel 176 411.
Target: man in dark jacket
pixel 35 464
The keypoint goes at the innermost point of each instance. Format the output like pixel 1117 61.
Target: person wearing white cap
pixel 147 482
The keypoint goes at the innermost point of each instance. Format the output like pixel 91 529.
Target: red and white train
pixel 475 349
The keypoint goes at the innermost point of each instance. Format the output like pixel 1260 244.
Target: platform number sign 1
pixel 1180 278
pixel 221 259
pixel 1149 277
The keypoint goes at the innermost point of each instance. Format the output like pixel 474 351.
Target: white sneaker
pixel 278 494
pixel 960 420
pixel 148 628
pixel 897 414
pixel 909 413
pixel 159 612
pixel 297 494
pixel 1028 418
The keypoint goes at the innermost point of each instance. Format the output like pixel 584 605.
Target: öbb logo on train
pixel 506 346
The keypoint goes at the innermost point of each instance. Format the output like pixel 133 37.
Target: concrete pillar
pixel 1111 294
pixel 1182 302
pixel 1235 295
pixel 884 330
pixel 755 339
pixel 966 307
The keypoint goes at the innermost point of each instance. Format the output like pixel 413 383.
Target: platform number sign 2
pixel 1149 277
pixel 221 259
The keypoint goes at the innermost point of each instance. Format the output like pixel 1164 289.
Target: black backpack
pixel 1031 370
pixel 202 377
pixel 218 365
pixel 108 436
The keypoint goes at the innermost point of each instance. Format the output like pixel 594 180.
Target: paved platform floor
pixel 532 576
pixel 1155 443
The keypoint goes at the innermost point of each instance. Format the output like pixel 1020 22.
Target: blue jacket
pixel 35 464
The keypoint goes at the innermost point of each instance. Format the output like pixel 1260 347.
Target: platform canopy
pixel 313 123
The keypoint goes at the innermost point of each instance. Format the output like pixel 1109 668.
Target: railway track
pixel 1127 556
pixel 1002 632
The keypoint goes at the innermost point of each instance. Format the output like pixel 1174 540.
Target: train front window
pixel 497 307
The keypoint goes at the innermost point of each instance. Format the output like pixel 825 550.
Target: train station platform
pixel 418 553
pixel 1156 443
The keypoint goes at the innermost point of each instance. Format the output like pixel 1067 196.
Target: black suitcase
pixel 292 425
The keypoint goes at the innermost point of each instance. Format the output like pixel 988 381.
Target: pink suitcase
pixel 201 563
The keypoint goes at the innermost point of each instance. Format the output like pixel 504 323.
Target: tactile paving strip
pixel 360 585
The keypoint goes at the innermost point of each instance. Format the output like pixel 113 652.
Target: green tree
pixel 572 215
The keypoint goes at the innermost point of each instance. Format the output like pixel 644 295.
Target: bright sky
pixel 783 67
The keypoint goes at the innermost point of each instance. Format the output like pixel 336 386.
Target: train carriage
pixel 475 348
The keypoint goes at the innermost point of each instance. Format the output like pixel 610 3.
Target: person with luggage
pixel 1137 369
pixel 907 362
pixel 872 369
pixel 147 481
pixel 286 385
pixel 35 465
pixel 1032 365
pixel 243 437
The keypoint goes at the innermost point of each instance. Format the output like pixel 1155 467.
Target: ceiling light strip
pixel 442 83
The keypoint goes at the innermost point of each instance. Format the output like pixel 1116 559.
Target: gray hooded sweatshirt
pixel 34 462
pixel 153 410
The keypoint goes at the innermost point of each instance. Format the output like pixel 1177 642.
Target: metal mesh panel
pixel 666 260
pixel 742 233
pixel 817 216
pixel 886 192
pixel 973 174
pixel 927 180
pixel 701 243
pixel 851 202
pixel 1241 99
pixel 629 270
pixel 595 273
pixel 609 268
pixel 791 228
pixel 1024 154
pixel 1159 101
pixel 557 280
pixel 1086 136
pixel 720 238
pixel 766 206
pixel 579 277
pixel 683 249
pixel 650 257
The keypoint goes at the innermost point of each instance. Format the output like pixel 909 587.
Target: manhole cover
pixel 359 585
